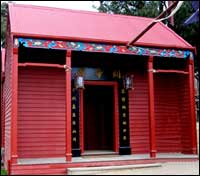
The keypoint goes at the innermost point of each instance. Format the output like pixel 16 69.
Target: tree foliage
pixel 4 12
pixel 136 8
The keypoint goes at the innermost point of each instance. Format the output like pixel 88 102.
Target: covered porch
pixel 150 124
pixel 151 120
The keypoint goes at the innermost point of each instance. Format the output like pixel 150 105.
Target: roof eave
pixel 113 42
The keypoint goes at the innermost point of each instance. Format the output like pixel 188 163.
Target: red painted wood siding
pixel 7 94
pixel 185 114
pixel 138 114
pixel 2 99
pixel 168 107
pixel 172 113
pixel 2 119
pixel 41 112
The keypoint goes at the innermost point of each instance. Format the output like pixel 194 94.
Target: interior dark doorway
pixel 98 117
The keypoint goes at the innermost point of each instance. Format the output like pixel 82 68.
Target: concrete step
pixel 98 170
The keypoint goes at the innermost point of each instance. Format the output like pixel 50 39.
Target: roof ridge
pixel 79 11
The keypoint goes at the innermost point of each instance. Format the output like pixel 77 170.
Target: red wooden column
pixel 151 109
pixel 192 105
pixel 116 118
pixel 14 107
pixel 68 107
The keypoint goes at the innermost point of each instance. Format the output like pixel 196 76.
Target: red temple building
pixel 72 88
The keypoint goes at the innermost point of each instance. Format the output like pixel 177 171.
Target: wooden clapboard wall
pixel 41 112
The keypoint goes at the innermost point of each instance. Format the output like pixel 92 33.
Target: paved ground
pixel 171 168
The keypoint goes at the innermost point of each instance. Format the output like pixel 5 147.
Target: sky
pixel 76 5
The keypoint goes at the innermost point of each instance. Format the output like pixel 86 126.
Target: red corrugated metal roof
pixel 36 21
pixel 3 52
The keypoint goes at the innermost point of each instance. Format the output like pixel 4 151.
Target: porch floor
pixel 104 158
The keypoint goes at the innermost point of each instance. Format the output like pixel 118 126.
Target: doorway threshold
pixel 99 152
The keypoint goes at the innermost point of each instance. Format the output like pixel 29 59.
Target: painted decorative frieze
pixel 98 47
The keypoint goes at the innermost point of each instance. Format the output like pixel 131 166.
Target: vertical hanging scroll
pixel 124 148
pixel 75 123
pixel 124 136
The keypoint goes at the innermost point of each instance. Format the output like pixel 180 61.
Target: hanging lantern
pixel 128 82
pixel 79 82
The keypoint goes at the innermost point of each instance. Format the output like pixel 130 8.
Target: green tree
pixel 136 8
pixel 153 9
pixel 4 12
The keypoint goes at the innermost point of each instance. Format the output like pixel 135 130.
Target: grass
pixel 3 172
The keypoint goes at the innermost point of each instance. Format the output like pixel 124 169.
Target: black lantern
pixel 79 82
pixel 128 82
